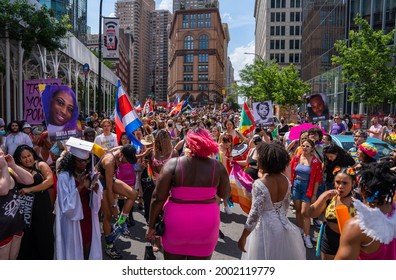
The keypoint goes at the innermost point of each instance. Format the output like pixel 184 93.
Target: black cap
pixel 129 153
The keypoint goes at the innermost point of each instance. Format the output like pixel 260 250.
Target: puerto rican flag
pixel 126 117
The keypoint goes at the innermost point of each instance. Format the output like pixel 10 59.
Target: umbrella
pixel 296 130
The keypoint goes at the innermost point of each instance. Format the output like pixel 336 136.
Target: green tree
pixel 366 64
pixel 31 26
pixel 266 80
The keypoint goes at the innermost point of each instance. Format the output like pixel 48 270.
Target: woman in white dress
pixel 268 233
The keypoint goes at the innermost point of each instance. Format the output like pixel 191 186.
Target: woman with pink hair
pixel 186 191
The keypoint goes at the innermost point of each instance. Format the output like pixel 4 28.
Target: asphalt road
pixel 226 249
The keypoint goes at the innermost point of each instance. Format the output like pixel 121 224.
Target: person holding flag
pixel 246 124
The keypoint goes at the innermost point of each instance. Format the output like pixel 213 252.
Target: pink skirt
pixel 191 229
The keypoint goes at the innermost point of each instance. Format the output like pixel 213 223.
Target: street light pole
pixel 100 59
pixel 255 54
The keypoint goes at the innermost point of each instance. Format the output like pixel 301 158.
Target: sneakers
pixel 317 223
pixel 307 241
pixel 126 233
pixel 228 210
pixel 112 252
pixel 315 237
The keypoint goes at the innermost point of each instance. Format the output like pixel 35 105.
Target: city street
pixel 226 249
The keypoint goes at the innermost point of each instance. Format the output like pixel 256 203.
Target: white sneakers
pixel 307 241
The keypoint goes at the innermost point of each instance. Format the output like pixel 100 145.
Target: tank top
pixel 303 171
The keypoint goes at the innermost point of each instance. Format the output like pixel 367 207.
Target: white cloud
pixel 112 15
pixel 226 17
pixel 239 59
pixel 166 5
pixel 241 21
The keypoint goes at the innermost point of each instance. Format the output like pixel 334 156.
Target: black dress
pixel 38 239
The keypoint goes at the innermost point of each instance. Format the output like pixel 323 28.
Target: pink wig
pixel 201 144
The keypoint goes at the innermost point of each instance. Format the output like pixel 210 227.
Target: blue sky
pixel 237 13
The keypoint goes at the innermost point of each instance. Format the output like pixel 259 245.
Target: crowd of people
pixel 57 200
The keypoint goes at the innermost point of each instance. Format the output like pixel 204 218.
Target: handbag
pixel 148 252
pixel 160 227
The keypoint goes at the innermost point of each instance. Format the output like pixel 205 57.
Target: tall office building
pixel 160 24
pixel 324 23
pixel 135 18
pixel 77 12
pixel 278 30
pixel 196 56
pixel 194 4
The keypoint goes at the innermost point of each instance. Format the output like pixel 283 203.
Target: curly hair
pixel 162 142
pixel 68 164
pixel 18 153
pixel 377 183
pixel 272 157
pixel 201 144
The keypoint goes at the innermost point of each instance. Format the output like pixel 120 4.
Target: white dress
pixel 273 236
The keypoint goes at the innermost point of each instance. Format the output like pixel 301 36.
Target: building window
pixel 292 4
pixel 297 44
pixel 187 87
pixel 188 77
pixel 278 17
pixel 277 30
pixel 203 57
pixel 188 43
pixel 283 30
pixel 188 58
pixel 188 68
pixel 291 30
pixel 272 17
pixel 203 42
pixel 297 58
pixel 200 20
pixel 272 32
pixel 185 21
pixel 298 30
pixel 203 68
pixel 282 58
pixel 291 58
pixel 298 16
pixel 272 44
pixel 298 3
pixel 282 44
pixel 193 21
pixel 277 44
pixel 202 77
pixel 203 87
pixel 292 16
pixel 272 4
pixel 272 56
pixel 291 44
pixel 283 17
pixel 207 20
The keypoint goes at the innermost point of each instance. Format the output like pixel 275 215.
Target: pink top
pixel 194 193
pixel 126 173
pixel 385 252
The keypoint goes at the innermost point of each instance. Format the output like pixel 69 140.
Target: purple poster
pixel 61 112
pixel 32 106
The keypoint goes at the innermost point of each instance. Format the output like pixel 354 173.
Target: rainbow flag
pixel 241 188
pixel 246 124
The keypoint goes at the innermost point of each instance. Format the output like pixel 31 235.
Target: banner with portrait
pixel 32 108
pixel 111 37
pixel 317 107
pixel 263 114
pixel 61 112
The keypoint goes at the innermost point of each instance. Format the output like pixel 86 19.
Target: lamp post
pixel 255 54
pixel 100 59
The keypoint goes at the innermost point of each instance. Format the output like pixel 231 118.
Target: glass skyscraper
pixel 325 22
pixel 77 12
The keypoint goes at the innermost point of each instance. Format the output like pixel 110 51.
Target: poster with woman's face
pixel 262 113
pixel 60 112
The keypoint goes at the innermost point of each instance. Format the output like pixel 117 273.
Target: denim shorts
pixel 300 188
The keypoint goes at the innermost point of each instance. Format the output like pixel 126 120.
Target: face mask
pixel 2 132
